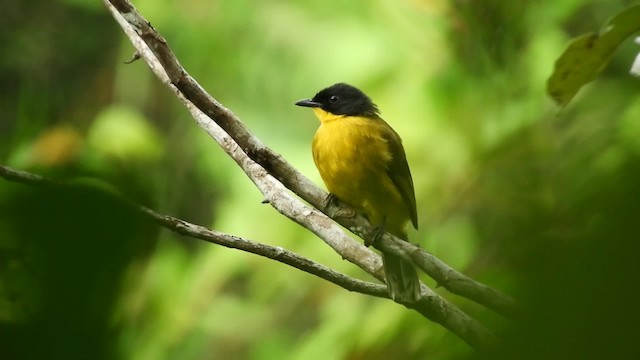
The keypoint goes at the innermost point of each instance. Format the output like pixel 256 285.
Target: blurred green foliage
pixel 539 203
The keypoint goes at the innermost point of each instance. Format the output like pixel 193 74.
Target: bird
pixel 363 164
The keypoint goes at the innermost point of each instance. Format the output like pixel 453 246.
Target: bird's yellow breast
pixel 352 157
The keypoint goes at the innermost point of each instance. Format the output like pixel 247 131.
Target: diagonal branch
pixel 272 252
pixel 215 237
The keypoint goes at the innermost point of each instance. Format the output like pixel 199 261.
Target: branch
pixel 453 280
pixel 269 172
pixel 215 237
pixel 272 252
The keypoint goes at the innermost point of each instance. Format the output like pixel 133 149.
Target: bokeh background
pixel 540 203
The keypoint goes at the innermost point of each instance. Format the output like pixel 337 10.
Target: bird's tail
pixel 402 279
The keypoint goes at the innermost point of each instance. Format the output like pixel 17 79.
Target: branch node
pixel 136 56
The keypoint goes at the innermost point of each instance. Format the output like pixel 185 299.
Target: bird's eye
pixel 333 99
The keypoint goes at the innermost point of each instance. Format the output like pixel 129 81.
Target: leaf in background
pixel 588 54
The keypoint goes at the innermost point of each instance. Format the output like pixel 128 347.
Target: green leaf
pixel 588 54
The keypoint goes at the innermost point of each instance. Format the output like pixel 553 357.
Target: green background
pixel 540 203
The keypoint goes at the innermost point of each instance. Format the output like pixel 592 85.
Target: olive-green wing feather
pixel 398 171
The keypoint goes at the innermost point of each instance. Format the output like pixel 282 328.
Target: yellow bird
pixel 363 164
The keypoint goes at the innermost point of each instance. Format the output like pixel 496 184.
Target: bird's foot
pixel 329 201
pixel 376 235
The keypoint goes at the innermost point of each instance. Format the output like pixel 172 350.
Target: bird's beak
pixel 308 103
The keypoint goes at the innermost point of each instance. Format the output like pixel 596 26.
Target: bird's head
pixel 343 100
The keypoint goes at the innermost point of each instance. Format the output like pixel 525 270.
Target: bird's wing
pixel 398 171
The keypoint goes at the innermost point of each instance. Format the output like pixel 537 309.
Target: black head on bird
pixel 342 99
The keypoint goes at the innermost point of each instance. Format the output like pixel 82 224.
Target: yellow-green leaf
pixel 588 54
